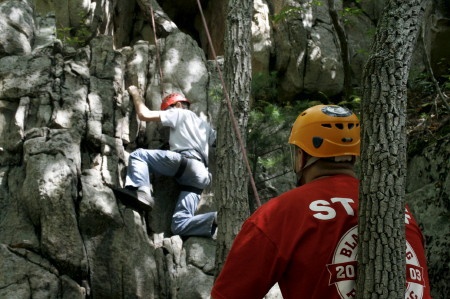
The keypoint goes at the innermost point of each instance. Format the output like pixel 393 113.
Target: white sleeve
pixel 169 118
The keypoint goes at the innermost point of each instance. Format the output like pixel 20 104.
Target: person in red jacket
pixel 306 239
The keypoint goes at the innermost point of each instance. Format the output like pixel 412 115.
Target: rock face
pixel 428 193
pixel 67 126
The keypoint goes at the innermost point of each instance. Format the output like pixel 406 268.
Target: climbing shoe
pixel 134 197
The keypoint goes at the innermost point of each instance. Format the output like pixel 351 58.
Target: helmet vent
pixel 326 125
pixel 347 139
pixel 350 126
pixel 317 141
pixel 340 126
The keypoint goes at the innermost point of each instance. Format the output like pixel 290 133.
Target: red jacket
pixel 306 240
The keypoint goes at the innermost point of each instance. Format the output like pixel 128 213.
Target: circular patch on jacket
pixel 343 268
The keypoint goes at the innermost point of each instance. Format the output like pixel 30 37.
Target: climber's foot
pixel 135 198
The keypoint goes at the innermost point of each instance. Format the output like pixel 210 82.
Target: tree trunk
pixel 381 257
pixel 343 47
pixel 231 183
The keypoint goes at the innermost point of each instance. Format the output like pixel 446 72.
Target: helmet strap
pixel 311 161
pixel 306 162
pixel 297 162
pixel 301 161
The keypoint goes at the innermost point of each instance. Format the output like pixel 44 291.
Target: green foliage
pixel 348 12
pixel 416 145
pixel 289 12
pixel 443 64
pixel 371 32
pixel 445 131
pixel 264 121
pixel 423 84
pixel 446 81
pixel 216 93
pixel 265 87
pixel 353 102
pixel 75 37
pixel 446 85
pixel 286 13
pixel 267 138
pixel 363 52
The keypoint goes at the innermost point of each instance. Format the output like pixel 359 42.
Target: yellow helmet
pixel 327 131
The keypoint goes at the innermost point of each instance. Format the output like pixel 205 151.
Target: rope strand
pixel 158 59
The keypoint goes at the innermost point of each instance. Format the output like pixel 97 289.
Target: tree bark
pixel 381 255
pixel 231 183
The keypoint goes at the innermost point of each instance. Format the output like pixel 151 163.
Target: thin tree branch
pixel 442 96
pixel 345 56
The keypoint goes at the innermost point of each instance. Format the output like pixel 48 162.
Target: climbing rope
pixel 230 108
pixel 158 58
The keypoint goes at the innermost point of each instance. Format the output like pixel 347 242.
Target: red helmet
pixel 173 98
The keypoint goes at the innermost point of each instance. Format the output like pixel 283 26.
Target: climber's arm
pixel 142 111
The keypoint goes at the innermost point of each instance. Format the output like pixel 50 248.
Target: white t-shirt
pixel 188 131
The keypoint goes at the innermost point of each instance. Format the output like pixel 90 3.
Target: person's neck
pixel 322 168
